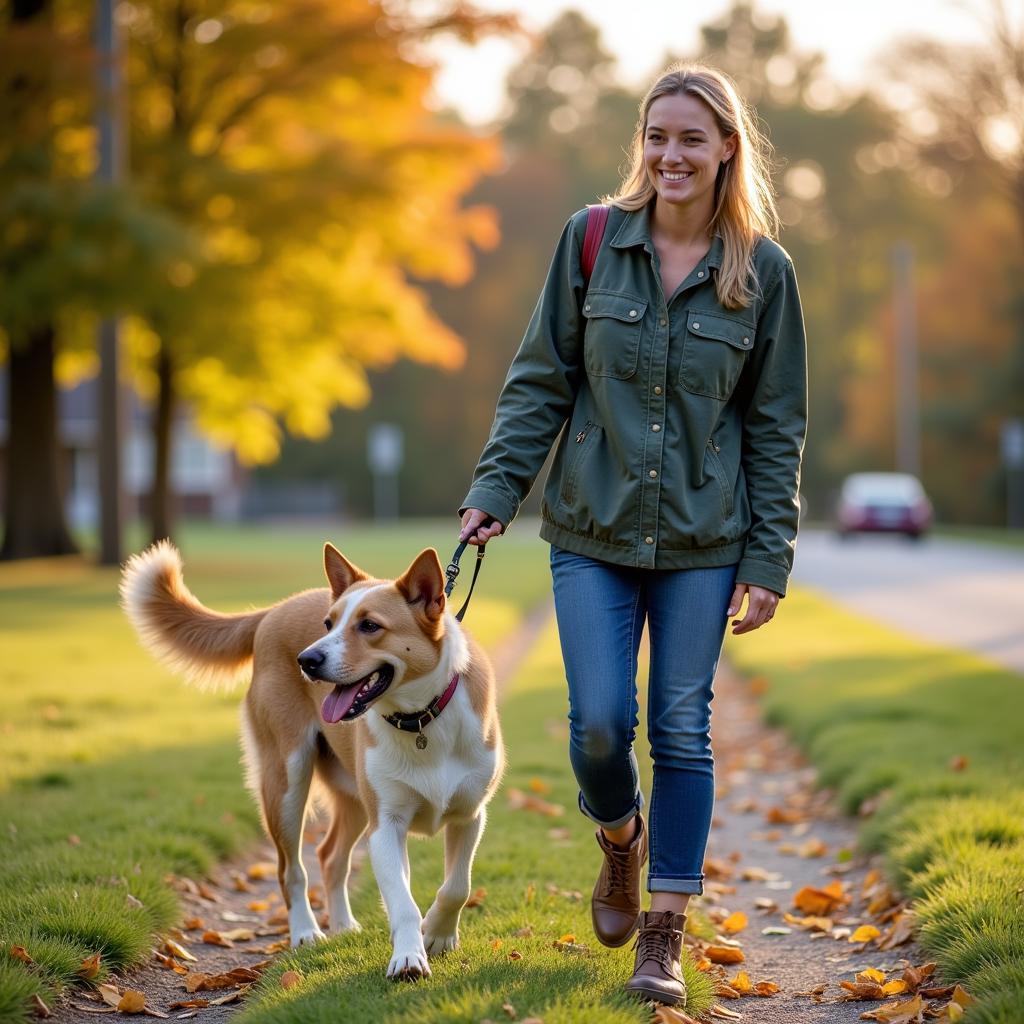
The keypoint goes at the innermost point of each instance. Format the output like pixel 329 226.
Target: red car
pixel 883 503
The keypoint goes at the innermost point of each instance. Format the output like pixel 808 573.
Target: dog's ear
pixel 424 581
pixel 341 573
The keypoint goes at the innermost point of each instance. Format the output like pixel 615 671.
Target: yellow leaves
pixel 290 979
pixel 568 944
pixel 734 923
pixel 131 1002
pixel 262 870
pixel 742 985
pixel 896 1013
pixel 22 954
pixel 175 949
pixel 900 931
pixel 215 938
pixel 865 933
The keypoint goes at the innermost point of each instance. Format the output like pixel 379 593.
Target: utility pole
pixel 907 413
pixel 108 397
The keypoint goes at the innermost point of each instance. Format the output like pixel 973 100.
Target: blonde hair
pixel 744 198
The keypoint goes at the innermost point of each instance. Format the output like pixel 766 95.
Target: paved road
pixel 954 592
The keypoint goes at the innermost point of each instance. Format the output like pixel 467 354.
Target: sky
pixel 850 36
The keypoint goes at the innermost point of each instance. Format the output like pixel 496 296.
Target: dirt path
pixel 243 895
pixel 771 824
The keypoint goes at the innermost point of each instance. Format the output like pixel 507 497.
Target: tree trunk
pixel 33 505
pixel 162 498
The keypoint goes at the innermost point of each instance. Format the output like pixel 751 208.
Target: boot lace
pixel 654 943
pixel 620 874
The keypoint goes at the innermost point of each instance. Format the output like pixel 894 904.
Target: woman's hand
pixel 478 527
pixel 761 605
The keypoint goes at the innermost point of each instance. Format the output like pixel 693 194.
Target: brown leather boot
pixel 615 906
pixel 659 944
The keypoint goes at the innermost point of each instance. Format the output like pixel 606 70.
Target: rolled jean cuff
pixel 619 822
pixel 692 886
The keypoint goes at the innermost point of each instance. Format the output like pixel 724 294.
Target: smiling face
pixel 378 633
pixel 683 149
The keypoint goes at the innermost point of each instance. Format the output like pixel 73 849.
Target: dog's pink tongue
pixel 337 703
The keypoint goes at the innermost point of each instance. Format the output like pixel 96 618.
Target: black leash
pixel 453 570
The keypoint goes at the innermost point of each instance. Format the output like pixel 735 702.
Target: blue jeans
pixel 601 609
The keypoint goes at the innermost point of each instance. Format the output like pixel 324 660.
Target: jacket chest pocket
pixel 611 343
pixel 714 351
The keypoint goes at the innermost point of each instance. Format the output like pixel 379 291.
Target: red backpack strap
pixel 597 217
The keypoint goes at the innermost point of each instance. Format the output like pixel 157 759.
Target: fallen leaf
pixel 213 938
pixel 259 906
pixel 90 967
pixel 198 982
pixel 478 897
pixel 520 801
pixel 231 997
pixel 958 763
pixel 208 894
pixel 901 931
pixel 290 979
pixel 540 786
pixel 720 1011
pixel 39 1007
pixel 735 922
pixel 21 953
pixel 192 924
pixel 496 944
pixel 872 974
pixel 820 902
pixel 110 994
pixel 810 923
pixel 190 1004
pixel 783 816
pixel 865 933
pixel 514 954
pixel 261 870
pixel 765 903
pixel 896 1013
pixel 742 983
pixel 724 954
pixel 668 1015
pixel 89 1009
pixel 175 949
pixel 509 1011
pixel 955 1012
pixel 812 848
pixel 239 882
pixel 765 988
pixel 776 929
pixel 131 1002
pixel 239 935
pixel 961 997
pixel 755 874
pixel 915 976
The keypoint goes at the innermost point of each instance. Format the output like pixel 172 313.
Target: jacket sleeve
pixel 774 426
pixel 539 391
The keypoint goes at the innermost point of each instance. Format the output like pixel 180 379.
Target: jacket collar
pixel 635 229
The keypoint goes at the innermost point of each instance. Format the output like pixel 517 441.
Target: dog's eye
pixel 368 626
pixel 327 625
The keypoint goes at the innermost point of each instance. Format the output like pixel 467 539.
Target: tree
pixel 67 248
pixel 294 140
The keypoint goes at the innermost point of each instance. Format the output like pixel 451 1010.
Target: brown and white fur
pixel 373 774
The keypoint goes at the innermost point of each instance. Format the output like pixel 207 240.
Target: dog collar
pixel 413 721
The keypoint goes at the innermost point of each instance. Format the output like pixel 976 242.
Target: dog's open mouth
pixel 345 703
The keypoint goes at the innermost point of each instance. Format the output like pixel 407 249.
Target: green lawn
pixel 938 736
pixel 113 772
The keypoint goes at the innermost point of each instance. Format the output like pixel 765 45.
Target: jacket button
pixel 657 389
pixel 700 273
pixel 648 540
pixel 696 327
pixel 663 321
pixel 653 474
pixel 586 309
pixel 632 312
pixel 656 427
pixel 746 341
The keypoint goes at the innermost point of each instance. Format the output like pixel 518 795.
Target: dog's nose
pixel 310 661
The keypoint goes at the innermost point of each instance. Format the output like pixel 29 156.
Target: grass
pixel 114 773
pixel 937 736
pixel 533 881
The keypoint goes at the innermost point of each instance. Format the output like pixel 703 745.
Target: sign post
pixel 384 452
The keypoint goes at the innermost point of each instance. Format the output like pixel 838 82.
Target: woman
pixel 681 373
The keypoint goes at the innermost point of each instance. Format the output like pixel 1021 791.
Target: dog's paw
pixel 438 945
pixel 306 937
pixel 409 966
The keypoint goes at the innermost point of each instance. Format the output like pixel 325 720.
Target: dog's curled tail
pixel 211 649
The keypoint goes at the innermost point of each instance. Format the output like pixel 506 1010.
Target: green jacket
pixel 684 421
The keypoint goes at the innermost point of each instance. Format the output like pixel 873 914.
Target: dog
pixel 373 689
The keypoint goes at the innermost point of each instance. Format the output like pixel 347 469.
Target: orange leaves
pixel 865 933
pixel 90 967
pixel 897 1013
pixel 742 985
pixel 131 1002
pixel 198 982
pixel 22 954
pixel 290 979
pixel 821 902
pixel 734 923
pixel 724 954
